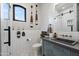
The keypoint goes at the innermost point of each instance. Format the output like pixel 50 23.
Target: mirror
pixel 67 17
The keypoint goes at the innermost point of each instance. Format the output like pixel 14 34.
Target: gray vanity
pixel 59 47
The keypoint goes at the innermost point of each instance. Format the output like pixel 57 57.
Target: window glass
pixel 19 13
pixel 5 10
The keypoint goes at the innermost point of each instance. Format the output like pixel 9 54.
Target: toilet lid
pixel 37 45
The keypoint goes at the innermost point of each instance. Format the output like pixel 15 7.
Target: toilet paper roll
pixel 28 39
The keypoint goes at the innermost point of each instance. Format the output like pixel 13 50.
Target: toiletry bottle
pixel 50 30
pixel 55 35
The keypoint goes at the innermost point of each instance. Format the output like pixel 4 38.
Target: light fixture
pixel 36 16
pixel 31 17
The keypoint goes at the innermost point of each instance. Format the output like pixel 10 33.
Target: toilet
pixel 36 48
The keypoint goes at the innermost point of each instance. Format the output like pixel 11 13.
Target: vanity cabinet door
pixel 66 51
pixel 58 50
pixel 44 48
pixel 74 53
pixel 53 49
pixel 47 48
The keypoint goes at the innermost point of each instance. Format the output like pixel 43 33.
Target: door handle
pixel 9 36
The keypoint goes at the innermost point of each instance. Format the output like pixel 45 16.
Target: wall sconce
pixel 31 17
pixel 36 16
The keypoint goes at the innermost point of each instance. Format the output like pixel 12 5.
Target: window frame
pixel 14 12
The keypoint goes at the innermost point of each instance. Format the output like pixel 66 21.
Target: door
pixel 5 29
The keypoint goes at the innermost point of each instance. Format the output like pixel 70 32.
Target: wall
pixel 45 15
pixel 0 28
pixel 31 33
pixel 26 25
pixel 22 46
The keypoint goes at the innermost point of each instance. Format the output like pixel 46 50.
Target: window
pixel 19 13
pixel 5 10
